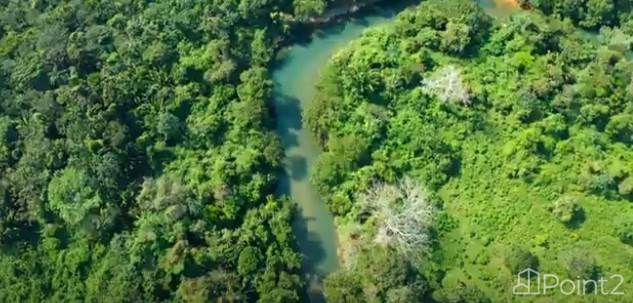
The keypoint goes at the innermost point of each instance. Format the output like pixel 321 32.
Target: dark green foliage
pixel 343 286
pixel 624 231
pixel 248 262
pixel 137 156
pixel 590 14
pixel 518 259
pixel 463 293
pixel 309 8
pixel 620 128
pixel 379 274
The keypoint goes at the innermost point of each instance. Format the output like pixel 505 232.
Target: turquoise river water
pixel 294 88
pixel 294 81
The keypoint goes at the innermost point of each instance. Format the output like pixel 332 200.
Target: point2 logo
pixel 532 283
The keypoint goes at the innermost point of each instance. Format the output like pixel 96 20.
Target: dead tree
pixel 402 212
pixel 448 85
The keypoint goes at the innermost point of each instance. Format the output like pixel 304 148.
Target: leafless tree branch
pixel 403 213
pixel 448 85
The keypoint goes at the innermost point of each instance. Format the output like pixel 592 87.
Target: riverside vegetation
pixel 515 133
pixel 138 159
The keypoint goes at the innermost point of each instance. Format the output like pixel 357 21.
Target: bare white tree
pixel 402 212
pixel 448 85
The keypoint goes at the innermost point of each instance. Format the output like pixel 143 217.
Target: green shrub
pixel 625 188
pixel 580 264
pixel 624 231
pixel 567 210
pixel 519 259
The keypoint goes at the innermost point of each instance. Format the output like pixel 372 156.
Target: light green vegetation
pixel 590 14
pixel 533 171
pixel 139 160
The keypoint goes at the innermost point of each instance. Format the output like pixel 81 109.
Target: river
pixel 294 87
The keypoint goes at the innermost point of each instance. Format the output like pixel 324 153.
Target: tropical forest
pixel 341 151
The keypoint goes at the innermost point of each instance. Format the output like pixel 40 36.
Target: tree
pixel 113 277
pixel 8 136
pixel 71 195
pixel 343 286
pixel 216 286
pixel 455 38
pixel 169 127
pixel 462 293
pixel 158 53
pixel 624 231
pixel 305 9
pixel 286 289
pixel 567 210
pixel 134 162
pixel 518 259
pixel 403 294
pixel 620 128
pixel 403 213
pixel 598 12
pixel 448 85
pixel 248 262
pixel 580 264
pixel 386 274
pixel 625 188
pixel 261 52
pixel 195 290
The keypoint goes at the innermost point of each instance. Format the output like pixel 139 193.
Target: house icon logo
pixel 526 284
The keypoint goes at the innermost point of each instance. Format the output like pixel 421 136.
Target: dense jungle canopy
pixel 519 130
pixel 139 162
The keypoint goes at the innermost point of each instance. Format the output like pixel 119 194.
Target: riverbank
pixel 346 8
pixel 294 78
pixel 482 234
pixel 296 72
pixel 342 10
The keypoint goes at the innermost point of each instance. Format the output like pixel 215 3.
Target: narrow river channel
pixel 295 81
pixel 294 87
